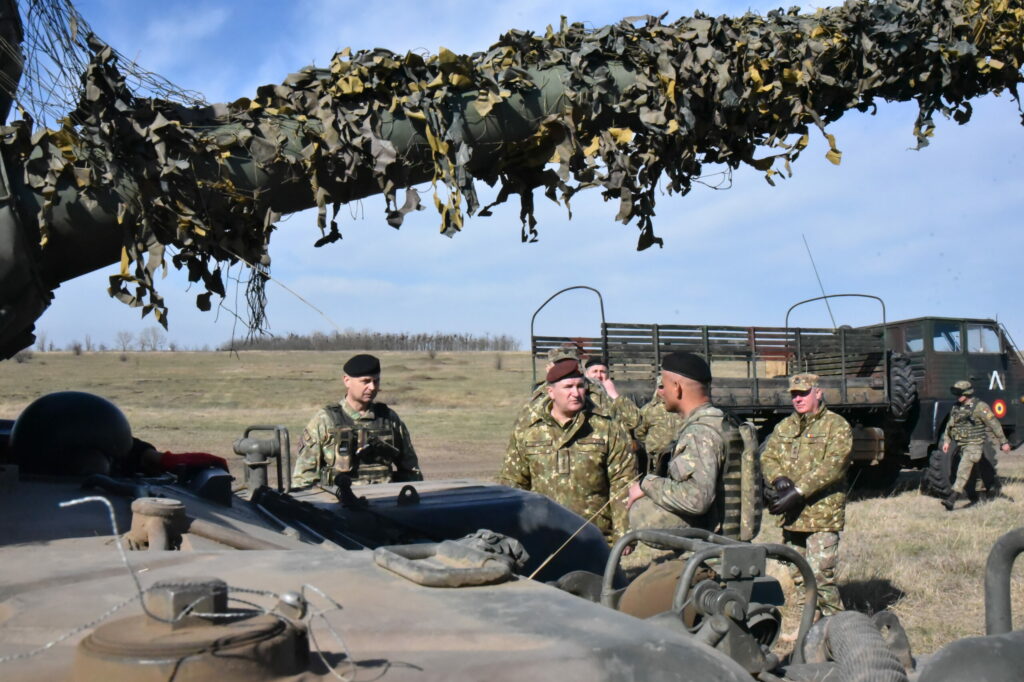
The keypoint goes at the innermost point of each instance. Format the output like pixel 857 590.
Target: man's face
pixel 962 398
pixel 362 389
pixel 669 391
pixel 597 373
pixel 806 402
pixel 568 395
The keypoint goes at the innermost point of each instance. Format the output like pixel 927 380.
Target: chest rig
pixel 366 449
pixel 966 428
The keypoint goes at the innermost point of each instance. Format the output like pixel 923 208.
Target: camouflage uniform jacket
pixel 658 428
pixel 580 465
pixel 324 435
pixel 968 422
pixel 813 451
pixel 690 486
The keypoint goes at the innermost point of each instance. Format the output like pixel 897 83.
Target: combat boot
pixel 950 501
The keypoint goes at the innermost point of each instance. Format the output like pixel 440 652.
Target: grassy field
pixel 901 551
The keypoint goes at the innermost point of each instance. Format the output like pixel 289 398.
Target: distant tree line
pixel 369 340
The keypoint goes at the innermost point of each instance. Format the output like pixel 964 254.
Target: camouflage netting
pixel 630 108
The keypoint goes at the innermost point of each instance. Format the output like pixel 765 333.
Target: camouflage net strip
pixel 630 108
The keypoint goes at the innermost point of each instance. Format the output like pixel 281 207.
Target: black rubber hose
pixel 860 651
pixel 998 616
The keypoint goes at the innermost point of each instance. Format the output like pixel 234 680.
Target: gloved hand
pixel 787 496
pixel 170 461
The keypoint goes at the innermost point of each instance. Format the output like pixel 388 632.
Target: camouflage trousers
pixel 646 514
pixel 970 455
pixel 821 550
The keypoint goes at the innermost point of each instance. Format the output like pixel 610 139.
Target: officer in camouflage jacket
pixel 969 422
pixel 657 431
pixel 572 452
pixel 804 462
pixel 358 438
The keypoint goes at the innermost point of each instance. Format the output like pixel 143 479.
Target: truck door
pixel 987 367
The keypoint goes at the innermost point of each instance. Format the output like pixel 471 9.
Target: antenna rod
pixel 822 286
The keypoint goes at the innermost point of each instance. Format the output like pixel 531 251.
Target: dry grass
pixel 903 551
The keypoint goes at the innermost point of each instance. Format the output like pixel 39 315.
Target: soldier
pixel 685 491
pixel 969 420
pixel 358 438
pixel 658 429
pixel 572 452
pixel 806 459
pixel 622 408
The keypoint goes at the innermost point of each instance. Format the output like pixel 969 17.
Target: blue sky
pixel 933 232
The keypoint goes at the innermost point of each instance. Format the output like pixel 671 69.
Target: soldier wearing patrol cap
pixel 804 463
pixel 357 438
pixel 572 451
pixel 969 422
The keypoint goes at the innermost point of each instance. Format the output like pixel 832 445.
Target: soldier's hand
pixel 609 388
pixel 789 499
pixel 635 493
pixel 945 447
pixel 1006 447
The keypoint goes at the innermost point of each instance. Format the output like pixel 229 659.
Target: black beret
pixel 595 361
pixel 563 369
pixel 362 365
pixel 688 365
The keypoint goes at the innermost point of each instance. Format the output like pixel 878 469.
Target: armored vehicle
pixel 891 380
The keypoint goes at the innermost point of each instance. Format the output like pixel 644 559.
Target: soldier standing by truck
pixel 969 420
pixel 357 437
pixel 805 461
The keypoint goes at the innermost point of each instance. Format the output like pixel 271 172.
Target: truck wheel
pixel 902 388
pixel 941 474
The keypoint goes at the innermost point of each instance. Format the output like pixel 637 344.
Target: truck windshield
pixel 946 337
pixel 982 338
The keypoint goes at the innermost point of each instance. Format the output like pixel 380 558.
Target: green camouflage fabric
pixel 657 430
pixel 580 465
pixel 390 456
pixel 684 496
pixel 969 423
pixel 813 451
pixel 822 552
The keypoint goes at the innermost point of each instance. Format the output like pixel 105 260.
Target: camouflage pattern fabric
pixel 813 451
pixel 323 438
pixel 822 552
pixel 684 496
pixel 969 422
pixel 657 430
pixel 970 455
pixel 581 465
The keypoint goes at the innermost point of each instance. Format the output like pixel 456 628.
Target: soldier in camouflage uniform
pixel 657 430
pixel 623 409
pixel 572 452
pixel 969 422
pixel 362 440
pixel 805 460
pixel 686 492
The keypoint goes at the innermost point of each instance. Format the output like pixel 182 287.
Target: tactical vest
pixel 738 500
pixel 379 437
pixel 966 427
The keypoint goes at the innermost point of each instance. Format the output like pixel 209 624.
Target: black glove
pixel 787 496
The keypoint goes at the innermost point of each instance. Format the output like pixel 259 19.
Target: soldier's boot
pixel 951 501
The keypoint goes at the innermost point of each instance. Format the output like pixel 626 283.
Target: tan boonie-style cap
pixel 803 382
pixel 564 353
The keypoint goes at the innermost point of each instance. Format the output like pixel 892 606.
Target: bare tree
pixel 88 344
pixel 40 341
pixel 152 338
pixel 124 340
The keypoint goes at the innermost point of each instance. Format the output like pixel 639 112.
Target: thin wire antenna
pixel 822 286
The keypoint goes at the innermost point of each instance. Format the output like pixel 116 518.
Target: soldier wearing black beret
pixel 357 437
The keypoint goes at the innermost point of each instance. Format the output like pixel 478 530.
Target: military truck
pixel 890 380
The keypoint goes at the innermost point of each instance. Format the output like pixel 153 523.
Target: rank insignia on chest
pixel 563 461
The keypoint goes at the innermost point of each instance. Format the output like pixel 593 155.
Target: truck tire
pixel 882 477
pixel 902 388
pixel 941 474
